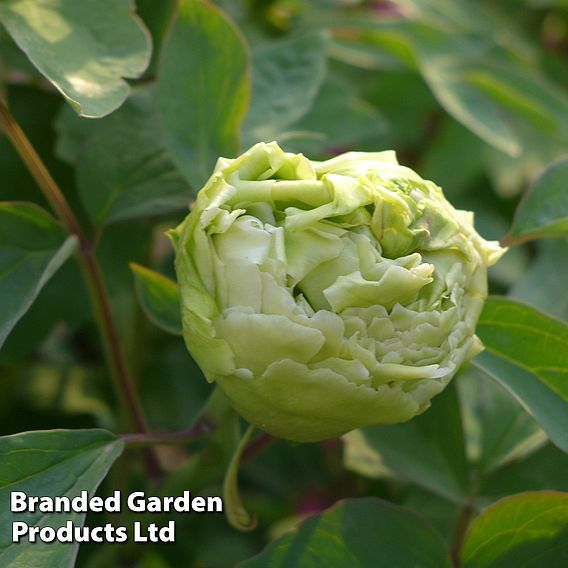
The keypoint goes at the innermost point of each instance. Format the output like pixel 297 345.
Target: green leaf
pixel 462 17
pixel 337 119
pixel 364 532
pixel 544 210
pixel 120 244
pixel 487 81
pixel 34 109
pixel 544 469
pixel 493 224
pixel 527 353
pixel 50 463
pixel 429 450
pixel 158 297
pixel 123 169
pixel 525 530
pixel 219 422
pixel 543 285
pixel 53 307
pixel 178 374
pixel 498 429
pixel 13 59
pixel 445 73
pixel 510 175
pixel 204 86
pixel 407 117
pixel 501 100
pixel 157 16
pixel 286 77
pixel 72 133
pixel 454 144
pixel 439 512
pixel 84 48
pixel 447 61
pixel 361 54
pixel 32 247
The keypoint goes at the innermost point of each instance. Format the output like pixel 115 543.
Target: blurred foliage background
pixel 472 95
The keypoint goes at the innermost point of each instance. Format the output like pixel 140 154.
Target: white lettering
pixel 33 532
pixel 47 534
pixel 168 534
pixel 182 504
pixel 18 529
pixel 96 504
pixel 95 534
pixel 121 534
pixel 79 504
pixel 112 504
pixel 138 533
pixel 154 533
pixel 198 504
pixel 136 503
pixel 18 503
pixel 214 504
pixel 45 504
pixel 65 533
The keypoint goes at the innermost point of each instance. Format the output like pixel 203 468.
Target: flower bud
pixel 327 296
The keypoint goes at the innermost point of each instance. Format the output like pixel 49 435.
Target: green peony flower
pixel 327 296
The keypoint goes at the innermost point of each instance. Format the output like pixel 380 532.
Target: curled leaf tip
pixel 236 514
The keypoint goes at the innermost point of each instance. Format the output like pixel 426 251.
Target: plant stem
pixel 466 515
pixel 168 438
pixel 262 442
pixel 90 269
pixel 202 428
pixel 39 172
pixel 459 535
pixel 101 305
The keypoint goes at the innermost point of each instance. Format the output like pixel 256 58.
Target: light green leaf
pixel 544 210
pixel 84 48
pixel 361 54
pixel 527 353
pixel 50 463
pixel 465 17
pixel 505 103
pixel 525 530
pixel 123 169
pixel 364 532
pixel 428 450
pixel 501 100
pixel 286 77
pixel 159 298
pixel 446 72
pixel 203 89
pixel 495 90
pixel 32 248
